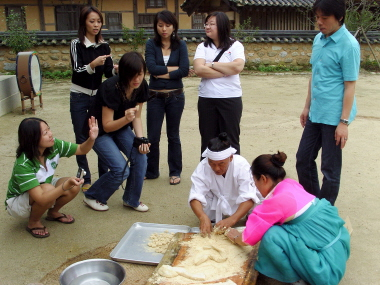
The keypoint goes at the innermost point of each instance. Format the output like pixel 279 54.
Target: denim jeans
pixel 157 108
pixel 316 136
pixel 109 147
pixel 79 106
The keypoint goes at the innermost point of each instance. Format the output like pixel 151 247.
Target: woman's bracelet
pixel 64 188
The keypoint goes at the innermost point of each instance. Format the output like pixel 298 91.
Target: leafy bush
pixel 136 38
pixel 241 33
pixel 281 68
pixel 16 37
pixel 370 66
pixel 57 74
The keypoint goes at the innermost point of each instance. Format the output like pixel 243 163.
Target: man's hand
pixel 226 223
pixel 341 135
pixel 304 117
pixel 205 226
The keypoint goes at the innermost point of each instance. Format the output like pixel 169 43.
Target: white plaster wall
pixel 9 94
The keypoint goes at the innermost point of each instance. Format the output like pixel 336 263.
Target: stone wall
pixel 57 57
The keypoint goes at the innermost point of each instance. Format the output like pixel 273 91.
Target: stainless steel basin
pixel 93 272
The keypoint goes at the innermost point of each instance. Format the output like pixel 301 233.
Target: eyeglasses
pixel 210 25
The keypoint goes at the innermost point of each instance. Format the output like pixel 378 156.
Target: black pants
pixel 314 137
pixel 218 115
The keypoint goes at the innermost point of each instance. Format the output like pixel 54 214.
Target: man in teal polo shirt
pixel 330 104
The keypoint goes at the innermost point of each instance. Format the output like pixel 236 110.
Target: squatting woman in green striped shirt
pixel 33 189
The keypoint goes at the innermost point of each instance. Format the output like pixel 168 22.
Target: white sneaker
pixel 95 204
pixel 141 208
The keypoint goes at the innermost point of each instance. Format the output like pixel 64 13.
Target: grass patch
pixel 277 68
pixel 57 74
pixel 370 66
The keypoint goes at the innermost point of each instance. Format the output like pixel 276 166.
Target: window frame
pixel 21 12
pixel 107 20
pixel 148 24
pixel 72 21
pixel 156 4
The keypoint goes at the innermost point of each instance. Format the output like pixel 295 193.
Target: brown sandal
pixel 59 219
pixel 29 230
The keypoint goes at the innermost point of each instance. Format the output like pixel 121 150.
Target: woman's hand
pixel 144 148
pixel 94 129
pixel 233 235
pixel 116 68
pixel 130 114
pixel 191 72
pixel 100 60
pixel 70 182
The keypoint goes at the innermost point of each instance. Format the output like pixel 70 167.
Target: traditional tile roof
pixel 278 3
pixel 191 6
pixel 197 36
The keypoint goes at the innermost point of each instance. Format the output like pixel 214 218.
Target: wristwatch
pixel 344 121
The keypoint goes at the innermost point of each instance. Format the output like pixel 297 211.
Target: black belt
pixel 168 94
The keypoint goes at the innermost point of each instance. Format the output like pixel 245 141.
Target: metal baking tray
pixel 133 247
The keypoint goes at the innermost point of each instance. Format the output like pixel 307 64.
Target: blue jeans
pixel 79 106
pixel 109 147
pixel 157 108
pixel 316 136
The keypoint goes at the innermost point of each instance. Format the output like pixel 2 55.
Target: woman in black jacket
pixel 90 59
pixel 167 61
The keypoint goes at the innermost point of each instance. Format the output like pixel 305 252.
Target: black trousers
pixel 218 115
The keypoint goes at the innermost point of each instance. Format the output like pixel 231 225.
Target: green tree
pixel 17 37
pixel 363 14
pixel 242 31
pixel 135 37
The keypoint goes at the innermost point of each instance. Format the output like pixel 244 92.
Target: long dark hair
pixel 82 23
pixel 220 143
pixel 269 165
pixel 130 64
pixel 223 26
pixel 29 136
pixel 168 18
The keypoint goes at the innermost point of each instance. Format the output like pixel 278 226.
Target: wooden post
pixel 22 103
pixel 31 97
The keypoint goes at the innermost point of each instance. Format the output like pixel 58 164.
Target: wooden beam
pixel 42 15
pixel 135 14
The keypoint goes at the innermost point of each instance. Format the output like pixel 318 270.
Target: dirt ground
pixel 272 104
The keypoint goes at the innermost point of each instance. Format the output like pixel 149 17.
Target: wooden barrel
pixel 28 73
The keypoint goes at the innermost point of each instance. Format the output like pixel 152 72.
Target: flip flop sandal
pixel 59 219
pixel 173 179
pixel 29 230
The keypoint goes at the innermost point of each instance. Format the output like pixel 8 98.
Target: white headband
pixel 219 155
